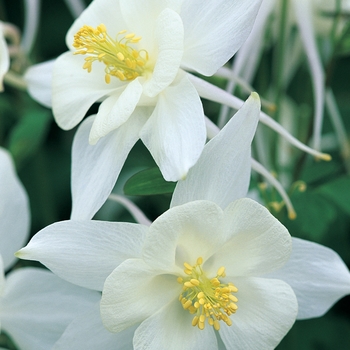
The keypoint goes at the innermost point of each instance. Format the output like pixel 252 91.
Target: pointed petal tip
pixel 19 254
pixel 255 96
pixel 24 254
pixel 93 140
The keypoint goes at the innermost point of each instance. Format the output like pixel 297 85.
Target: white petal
pixel 38 306
pixel 133 292
pixel 183 234
pixel 317 275
pixel 222 173
pixel 74 90
pixel 266 311
pixel 138 215
pixel 171 329
pixel 4 58
pixel 99 11
pixel 175 133
pixel 85 252
pixel 96 168
pixel 169 42
pixel 14 211
pixel 87 332
pixel 115 110
pixel 144 25
pixel 39 80
pixel 256 242
pixel 215 30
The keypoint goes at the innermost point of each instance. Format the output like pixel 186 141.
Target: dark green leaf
pixel 29 133
pixel 326 333
pixel 314 215
pixel 338 191
pixel 148 182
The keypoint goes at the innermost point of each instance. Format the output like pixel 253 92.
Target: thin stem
pixel 263 171
pixel 15 81
pixel 280 54
pixel 278 72
pixel 133 209
pixel 339 127
pixel 303 14
pixel 230 75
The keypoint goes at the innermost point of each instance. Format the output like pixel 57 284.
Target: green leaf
pixel 29 134
pixel 148 182
pixel 338 191
pixel 318 334
pixel 314 215
pixel 320 171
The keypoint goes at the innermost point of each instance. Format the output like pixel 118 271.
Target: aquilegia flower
pixel 201 270
pixel 213 271
pixel 35 305
pixel 134 51
pixel 133 57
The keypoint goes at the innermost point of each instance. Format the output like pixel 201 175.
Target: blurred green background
pixel 42 153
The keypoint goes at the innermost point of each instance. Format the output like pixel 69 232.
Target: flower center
pixel 208 299
pixel 121 59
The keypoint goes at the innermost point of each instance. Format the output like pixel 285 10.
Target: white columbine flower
pixel 132 56
pixel 135 51
pixel 35 305
pixel 214 271
pixel 202 270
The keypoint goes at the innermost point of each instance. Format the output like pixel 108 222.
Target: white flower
pixel 35 305
pixel 14 211
pixel 132 56
pixel 210 241
pixel 169 35
pixel 194 258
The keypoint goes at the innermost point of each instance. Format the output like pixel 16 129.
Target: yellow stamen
pixel 121 60
pixel 209 299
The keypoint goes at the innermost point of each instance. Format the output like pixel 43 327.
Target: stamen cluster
pixel 208 299
pixel 121 60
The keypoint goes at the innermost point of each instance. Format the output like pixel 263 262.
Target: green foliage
pixel 325 333
pixel 314 215
pixel 148 182
pixel 343 44
pixel 29 134
pixel 338 191
pixel 322 210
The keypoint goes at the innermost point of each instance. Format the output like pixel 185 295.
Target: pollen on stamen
pixel 208 299
pixel 121 59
